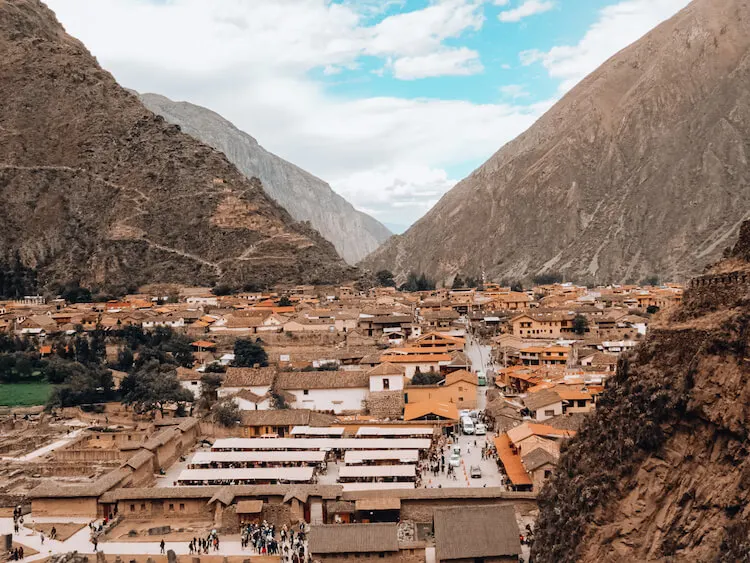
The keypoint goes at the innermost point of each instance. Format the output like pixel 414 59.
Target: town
pixel 306 423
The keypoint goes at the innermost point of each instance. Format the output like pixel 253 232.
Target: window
pixel 386 383
pixel 182 506
pixel 460 388
pixel 547 473
pixel 143 506
pixel 305 392
pixel 460 398
pixel 171 506
pixel 549 412
pixel 132 508
pixel 129 437
pixel 193 383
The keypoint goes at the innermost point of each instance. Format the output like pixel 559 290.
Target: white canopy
pixel 240 475
pixel 355 471
pixel 366 431
pixel 206 458
pixel 333 431
pixel 402 456
pixel 242 444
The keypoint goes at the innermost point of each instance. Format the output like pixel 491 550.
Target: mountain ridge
pixel 99 189
pixel 640 169
pixel 307 198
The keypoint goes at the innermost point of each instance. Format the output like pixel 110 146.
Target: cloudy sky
pixel 390 101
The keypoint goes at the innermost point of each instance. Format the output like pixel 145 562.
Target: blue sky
pixel 390 101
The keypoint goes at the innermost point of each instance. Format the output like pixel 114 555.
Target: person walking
pixel 161 546
pixel 95 542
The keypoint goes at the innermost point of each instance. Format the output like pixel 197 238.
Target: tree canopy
pixel 152 387
pixel 385 278
pixel 248 353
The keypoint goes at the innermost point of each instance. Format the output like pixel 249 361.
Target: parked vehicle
pixel 455 460
pixel 475 472
pixel 467 425
pixel 481 379
pixel 456 450
pixel 480 429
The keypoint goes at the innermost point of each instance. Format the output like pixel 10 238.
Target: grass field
pixel 24 394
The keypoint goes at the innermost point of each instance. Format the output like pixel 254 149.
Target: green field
pixel 24 394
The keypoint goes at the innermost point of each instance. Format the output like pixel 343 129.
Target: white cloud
pixel 252 62
pixel 514 91
pixel 528 8
pixel 617 26
pixel 448 62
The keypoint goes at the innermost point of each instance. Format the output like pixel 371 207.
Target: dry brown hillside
pixel 661 472
pixel 94 186
pixel 641 169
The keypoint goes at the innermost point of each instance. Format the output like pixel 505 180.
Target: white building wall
pixel 246 405
pixel 557 408
pixel 395 382
pixel 337 400
pixel 193 386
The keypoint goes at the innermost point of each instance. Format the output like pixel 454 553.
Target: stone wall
pixel 422 511
pixel 278 514
pixel 385 404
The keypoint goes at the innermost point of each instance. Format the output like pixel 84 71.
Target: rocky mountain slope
pixel 661 472
pixel 306 197
pixel 96 187
pixel 641 169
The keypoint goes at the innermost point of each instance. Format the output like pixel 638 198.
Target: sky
pixel 390 101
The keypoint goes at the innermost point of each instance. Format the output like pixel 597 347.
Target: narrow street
pixel 480 357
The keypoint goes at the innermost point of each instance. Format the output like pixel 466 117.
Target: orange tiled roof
pixel 511 461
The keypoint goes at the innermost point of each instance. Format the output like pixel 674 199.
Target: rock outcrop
pixel 95 187
pixel 304 196
pixel 642 169
pixel 661 471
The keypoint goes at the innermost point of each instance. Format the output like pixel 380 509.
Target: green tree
pixel 84 385
pixel 226 413
pixel 458 282
pixel 547 278
pixel 285 301
pixel 72 292
pixel 248 353
pixel 385 278
pixel 221 289
pixel 580 324
pixel 652 309
pixel 124 361
pixel 426 378
pixel 152 387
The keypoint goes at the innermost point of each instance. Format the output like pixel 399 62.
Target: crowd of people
pixel 263 539
pixel 201 545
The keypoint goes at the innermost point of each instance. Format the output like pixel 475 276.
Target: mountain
pixel 661 471
pixel 95 187
pixel 307 198
pixel 641 169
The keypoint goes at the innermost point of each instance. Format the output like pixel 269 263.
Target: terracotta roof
pixel 203 344
pixel 249 377
pixel 248 395
pixel 415 358
pixel 413 411
pixel 538 457
pixel 541 399
pixel 187 374
pixel 286 417
pixel 569 393
pixel 384 503
pixel 323 380
pixel 461 375
pixel 139 459
pixel 387 368
pixel 353 538
pixel 511 461
pixel 473 532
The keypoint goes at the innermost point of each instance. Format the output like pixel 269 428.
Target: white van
pixel 481 429
pixel 467 425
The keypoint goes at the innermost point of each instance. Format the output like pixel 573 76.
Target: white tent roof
pixel 240 444
pixel 204 458
pixel 297 474
pixel 403 456
pixel 378 471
